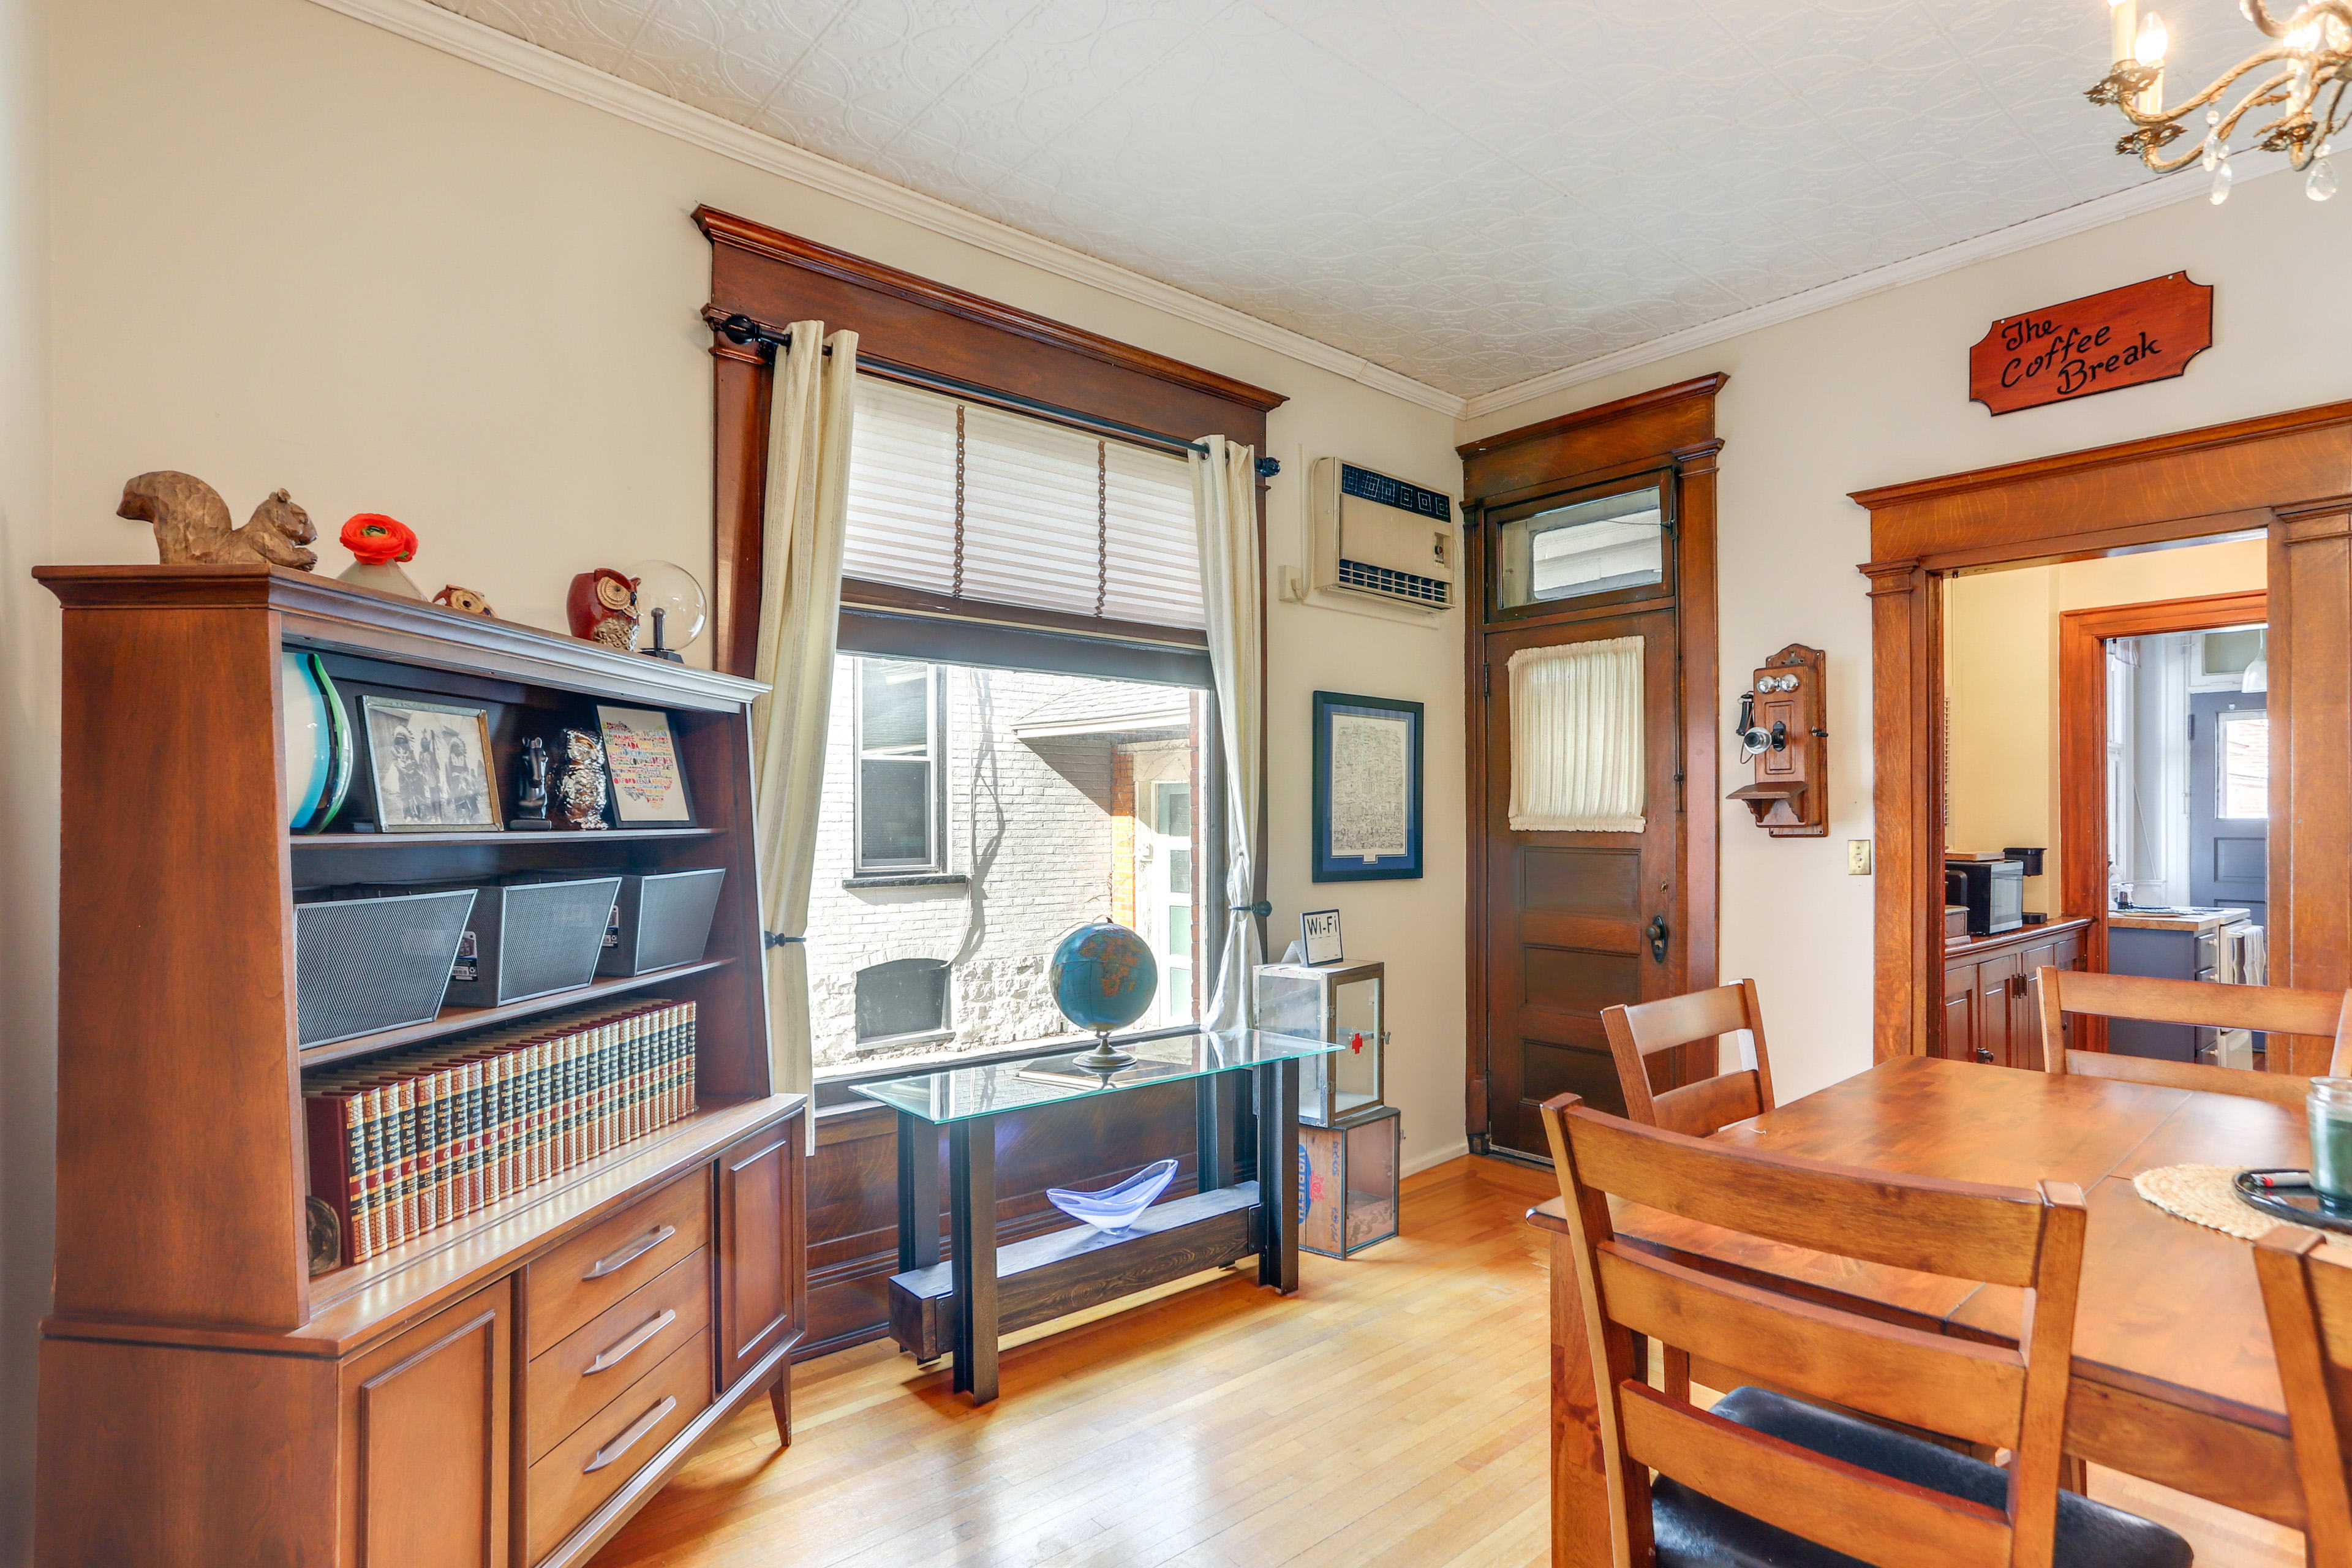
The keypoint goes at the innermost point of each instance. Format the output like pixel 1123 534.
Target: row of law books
pixel 404 1143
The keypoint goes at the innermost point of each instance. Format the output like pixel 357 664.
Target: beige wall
pixel 28 769
pixel 2001 649
pixel 1876 392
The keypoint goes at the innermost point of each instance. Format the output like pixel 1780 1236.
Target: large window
pixel 900 820
pixel 2244 764
pixel 1018 744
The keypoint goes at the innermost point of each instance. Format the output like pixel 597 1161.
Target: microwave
pixel 1993 892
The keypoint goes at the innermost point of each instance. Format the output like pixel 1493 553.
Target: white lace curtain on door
pixel 1576 727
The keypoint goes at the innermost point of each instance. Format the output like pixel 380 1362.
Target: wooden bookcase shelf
pixel 437 1368
pixel 503 840
pixel 458 1020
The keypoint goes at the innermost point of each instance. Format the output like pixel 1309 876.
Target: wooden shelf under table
pixel 457 1020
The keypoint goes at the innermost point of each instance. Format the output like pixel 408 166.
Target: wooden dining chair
pixel 2274 1009
pixel 1702 1109
pixel 2307 1295
pixel 1767 1478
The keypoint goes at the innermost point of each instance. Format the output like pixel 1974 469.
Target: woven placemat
pixel 2203 1194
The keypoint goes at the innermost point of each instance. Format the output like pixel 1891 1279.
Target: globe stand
pixel 1102 1058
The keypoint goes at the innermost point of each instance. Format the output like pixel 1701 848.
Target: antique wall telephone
pixel 1780 731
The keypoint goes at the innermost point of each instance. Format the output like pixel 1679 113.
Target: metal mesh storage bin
pixel 529 939
pixel 661 920
pixel 365 964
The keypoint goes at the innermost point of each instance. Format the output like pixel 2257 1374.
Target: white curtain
pixel 1225 505
pixel 1577 721
pixel 799 605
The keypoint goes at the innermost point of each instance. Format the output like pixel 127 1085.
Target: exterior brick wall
pixel 1036 827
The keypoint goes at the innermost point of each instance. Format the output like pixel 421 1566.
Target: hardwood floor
pixel 1392 1413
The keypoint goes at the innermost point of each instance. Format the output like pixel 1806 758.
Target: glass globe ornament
pixel 671 608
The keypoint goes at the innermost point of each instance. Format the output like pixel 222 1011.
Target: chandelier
pixel 2309 60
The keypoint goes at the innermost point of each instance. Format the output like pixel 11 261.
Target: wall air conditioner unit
pixel 1380 538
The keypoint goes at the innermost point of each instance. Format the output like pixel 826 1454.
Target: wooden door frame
pixel 2083 848
pixel 1669 430
pixel 2289 475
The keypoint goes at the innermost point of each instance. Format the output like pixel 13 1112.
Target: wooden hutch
pixel 204 1399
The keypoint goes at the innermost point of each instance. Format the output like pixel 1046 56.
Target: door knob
pixel 1658 934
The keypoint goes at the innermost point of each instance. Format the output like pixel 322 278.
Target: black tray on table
pixel 2299 1206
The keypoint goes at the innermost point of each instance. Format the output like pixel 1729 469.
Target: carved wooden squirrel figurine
pixel 192 523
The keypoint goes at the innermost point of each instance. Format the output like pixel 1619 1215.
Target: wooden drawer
pixel 594 1462
pixel 597 1361
pixel 597 1268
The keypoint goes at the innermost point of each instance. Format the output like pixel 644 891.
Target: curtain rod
pixel 743 330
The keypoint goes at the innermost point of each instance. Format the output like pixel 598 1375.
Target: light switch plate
pixel 1857 857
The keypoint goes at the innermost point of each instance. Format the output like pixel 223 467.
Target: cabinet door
pixel 763 1256
pixel 1960 1038
pixel 426 1440
pixel 1994 1043
pixel 2025 1015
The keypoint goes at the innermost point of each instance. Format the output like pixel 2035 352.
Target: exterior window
pixel 906 996
pixel 1069 797
pixel 2244 740
pixel 900 825
pixel 1613 545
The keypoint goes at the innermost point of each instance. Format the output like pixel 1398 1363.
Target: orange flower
pixel 378 540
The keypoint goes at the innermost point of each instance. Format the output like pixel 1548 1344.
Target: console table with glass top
pixel 982 1291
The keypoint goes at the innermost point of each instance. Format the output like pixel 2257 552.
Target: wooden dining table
pixel 2174 1380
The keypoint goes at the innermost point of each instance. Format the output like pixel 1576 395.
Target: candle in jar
pixel 2331 1140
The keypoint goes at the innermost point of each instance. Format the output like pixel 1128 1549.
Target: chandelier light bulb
pixel 2123 22
pixel 2153 40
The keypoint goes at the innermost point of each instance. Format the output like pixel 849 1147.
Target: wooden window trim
pixel 903 320
pixel 2289 474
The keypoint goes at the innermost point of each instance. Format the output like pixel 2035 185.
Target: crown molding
pixel 424 23
pixel 2076 219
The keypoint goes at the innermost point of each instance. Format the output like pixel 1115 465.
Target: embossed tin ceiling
pixel 1470 192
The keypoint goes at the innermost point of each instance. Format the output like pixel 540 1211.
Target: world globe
pixel 1103 977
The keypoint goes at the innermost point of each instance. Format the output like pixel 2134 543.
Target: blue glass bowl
pixel 1116 1208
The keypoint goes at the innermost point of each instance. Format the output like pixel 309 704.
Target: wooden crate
pixel 1348 1176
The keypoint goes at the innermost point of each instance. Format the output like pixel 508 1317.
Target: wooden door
pixel 763 1274
pixel 427 1438
pixel 1577 921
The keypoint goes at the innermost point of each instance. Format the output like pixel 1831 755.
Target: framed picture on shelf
pixel 1367 788
pixel 642 758
pixel 429 764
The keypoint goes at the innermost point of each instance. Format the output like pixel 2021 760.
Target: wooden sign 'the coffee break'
pixel 2124 337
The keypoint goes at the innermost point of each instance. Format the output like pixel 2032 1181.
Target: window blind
pixel 970 502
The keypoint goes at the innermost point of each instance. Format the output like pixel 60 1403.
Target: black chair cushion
pixel 1697 1532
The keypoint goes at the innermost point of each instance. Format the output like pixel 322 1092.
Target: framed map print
pixel 1367 788
pixel 641 756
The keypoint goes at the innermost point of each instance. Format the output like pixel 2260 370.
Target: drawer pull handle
pixel 628 1439
pixel 613 1354
pixel 631 1253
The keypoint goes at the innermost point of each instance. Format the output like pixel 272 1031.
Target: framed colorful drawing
pixel 642 757
pixel 1368 824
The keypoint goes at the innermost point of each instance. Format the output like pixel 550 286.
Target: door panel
pixel 428 1440
pixel 1568 914
pixel 2229 857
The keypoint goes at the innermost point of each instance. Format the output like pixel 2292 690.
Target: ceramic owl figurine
pixel 580 781
pixel 603 608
